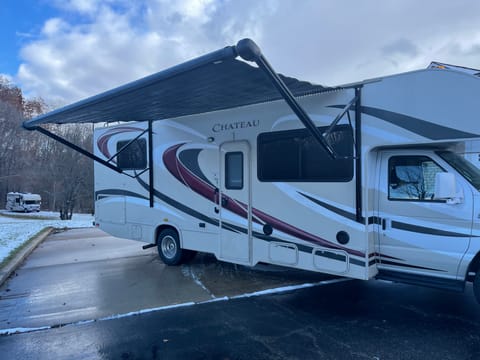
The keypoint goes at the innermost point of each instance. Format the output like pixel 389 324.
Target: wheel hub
pixel 169 247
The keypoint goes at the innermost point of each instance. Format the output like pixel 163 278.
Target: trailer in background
pixel 24 202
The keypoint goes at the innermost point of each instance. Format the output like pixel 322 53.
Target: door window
pixel 412 178
pixel 234 170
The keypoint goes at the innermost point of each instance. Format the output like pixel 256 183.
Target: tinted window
pixel 295 156
pixel 412 178
pixel 234 170
pixel 133 156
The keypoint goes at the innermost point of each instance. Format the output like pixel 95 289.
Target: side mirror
pixel 446 188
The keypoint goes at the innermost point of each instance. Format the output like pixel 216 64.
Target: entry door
pixel 234 202
pixel 417 233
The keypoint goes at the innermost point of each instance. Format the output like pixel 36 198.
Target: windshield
pixel 465 168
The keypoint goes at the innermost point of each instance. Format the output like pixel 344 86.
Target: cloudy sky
pixel 66 50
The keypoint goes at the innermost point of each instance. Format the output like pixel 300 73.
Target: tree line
pixel 32 162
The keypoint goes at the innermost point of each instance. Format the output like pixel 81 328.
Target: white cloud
pixel 54 26
pixel 80 6
pixel 111 42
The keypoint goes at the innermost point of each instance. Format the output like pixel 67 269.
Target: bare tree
pixel 9 116
pixel 71 173
pixel 31 162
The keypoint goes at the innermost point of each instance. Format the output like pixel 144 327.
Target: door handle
pixel 386 224
pixel 224 201
pixel 215 200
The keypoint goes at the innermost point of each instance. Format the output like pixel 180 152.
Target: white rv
pixel 24 202
pixel 367 180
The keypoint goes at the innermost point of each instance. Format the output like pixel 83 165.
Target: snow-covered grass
pixel 17 228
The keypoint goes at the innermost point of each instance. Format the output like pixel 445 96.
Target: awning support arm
pixel 88 154
pixel 151 165
pixel 339 117
pixel 358 156
pixel 127 145
pixel 76 148
pixel 249 51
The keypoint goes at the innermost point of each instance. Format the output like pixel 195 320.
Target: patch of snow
pixel 83 322
pixel 146 311
pixel 288 288
pixel 174 306
pixel 21 330
pixel 17 228
pixel 188 272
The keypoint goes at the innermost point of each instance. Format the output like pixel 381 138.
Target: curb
pixel 13 264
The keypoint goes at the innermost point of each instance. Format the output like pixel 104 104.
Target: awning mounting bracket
pixel 248 50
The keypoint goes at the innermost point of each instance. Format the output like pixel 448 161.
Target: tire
pixel 476 286
pixel 169 248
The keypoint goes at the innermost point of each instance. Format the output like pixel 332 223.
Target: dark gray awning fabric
pixel 211 82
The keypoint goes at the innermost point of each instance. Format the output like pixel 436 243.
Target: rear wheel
pixel 169 249
pixel 476 286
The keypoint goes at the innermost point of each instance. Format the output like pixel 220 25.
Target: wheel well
pixel 163 227
pixel 473 267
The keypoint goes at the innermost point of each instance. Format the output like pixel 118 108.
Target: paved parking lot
pixel 105 298
pixel 346 320
pixel 85 274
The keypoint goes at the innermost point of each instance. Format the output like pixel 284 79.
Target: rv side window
pixel 295 156
pixel 234 170
pixel 133 156
pixel 412 178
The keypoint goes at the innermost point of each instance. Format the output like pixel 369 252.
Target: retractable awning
pixel 216 81
pixel 211 82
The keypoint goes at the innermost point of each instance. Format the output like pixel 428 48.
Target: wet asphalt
pixel 343 320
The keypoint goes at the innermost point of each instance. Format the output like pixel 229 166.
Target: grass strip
pixel 19 248
pixel 27 217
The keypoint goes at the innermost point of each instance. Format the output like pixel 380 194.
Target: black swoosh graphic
pixel 189 158
pixel 231 227
pixel 388 262
pixel 109 192
pixel 421 127
pixel 426 230
pixel 395 224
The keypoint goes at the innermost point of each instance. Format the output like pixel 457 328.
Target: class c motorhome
pixel 366 180
pixel 23 202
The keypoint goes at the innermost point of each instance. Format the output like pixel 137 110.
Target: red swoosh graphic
pixel 198 185
pixel 102 142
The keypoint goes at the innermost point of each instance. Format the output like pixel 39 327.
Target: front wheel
pixel 476 286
